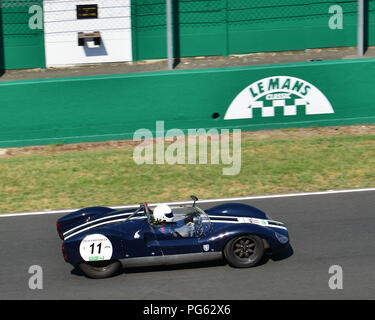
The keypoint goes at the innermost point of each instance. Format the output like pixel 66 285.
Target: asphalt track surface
pixel 325 230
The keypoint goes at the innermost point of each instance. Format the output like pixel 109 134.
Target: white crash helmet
pixel 163 213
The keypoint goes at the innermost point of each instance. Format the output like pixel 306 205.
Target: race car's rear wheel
pixel 244 251
pixel 100 269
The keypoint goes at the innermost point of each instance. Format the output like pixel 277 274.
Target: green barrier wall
pixel 23 47
pixel 2 64
pixel 101 108
pixel 222 27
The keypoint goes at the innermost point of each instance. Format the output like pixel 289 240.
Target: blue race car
pixel 101 240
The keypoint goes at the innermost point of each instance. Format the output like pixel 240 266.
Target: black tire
pixel 100 269
pixel 244 251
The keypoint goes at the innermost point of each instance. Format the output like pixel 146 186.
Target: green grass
pixel 70 179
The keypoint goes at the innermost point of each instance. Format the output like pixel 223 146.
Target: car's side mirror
pixel 194 198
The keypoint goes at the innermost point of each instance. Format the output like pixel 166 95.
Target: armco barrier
pixel 98 108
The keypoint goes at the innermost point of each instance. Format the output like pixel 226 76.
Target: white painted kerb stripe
pixel 200 201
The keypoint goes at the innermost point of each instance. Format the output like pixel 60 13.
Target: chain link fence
pixel 151 13
pixel 201 27
pixel 19 3
pixel 257 11
pixel 243 26
pixel 15 17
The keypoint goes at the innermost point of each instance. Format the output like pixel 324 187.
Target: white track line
pixel 199 201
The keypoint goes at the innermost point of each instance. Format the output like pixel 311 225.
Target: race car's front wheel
pixel 100 269
pixel 244 251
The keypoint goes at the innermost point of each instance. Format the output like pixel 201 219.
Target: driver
pixel 164 219
pixel 163 214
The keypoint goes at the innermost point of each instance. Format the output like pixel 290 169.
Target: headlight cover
pixel 282 239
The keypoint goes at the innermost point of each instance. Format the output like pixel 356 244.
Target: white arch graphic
pixel 242 106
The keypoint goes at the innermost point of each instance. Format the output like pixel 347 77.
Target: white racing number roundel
pixel 95 247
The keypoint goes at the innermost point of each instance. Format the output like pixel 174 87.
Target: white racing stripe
pixel 94 226
pixel 97 225
pixel 222 221
pixel 238 222
pixel 111 219
pixel 100 219
pixel 4 215
pixel 241 220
